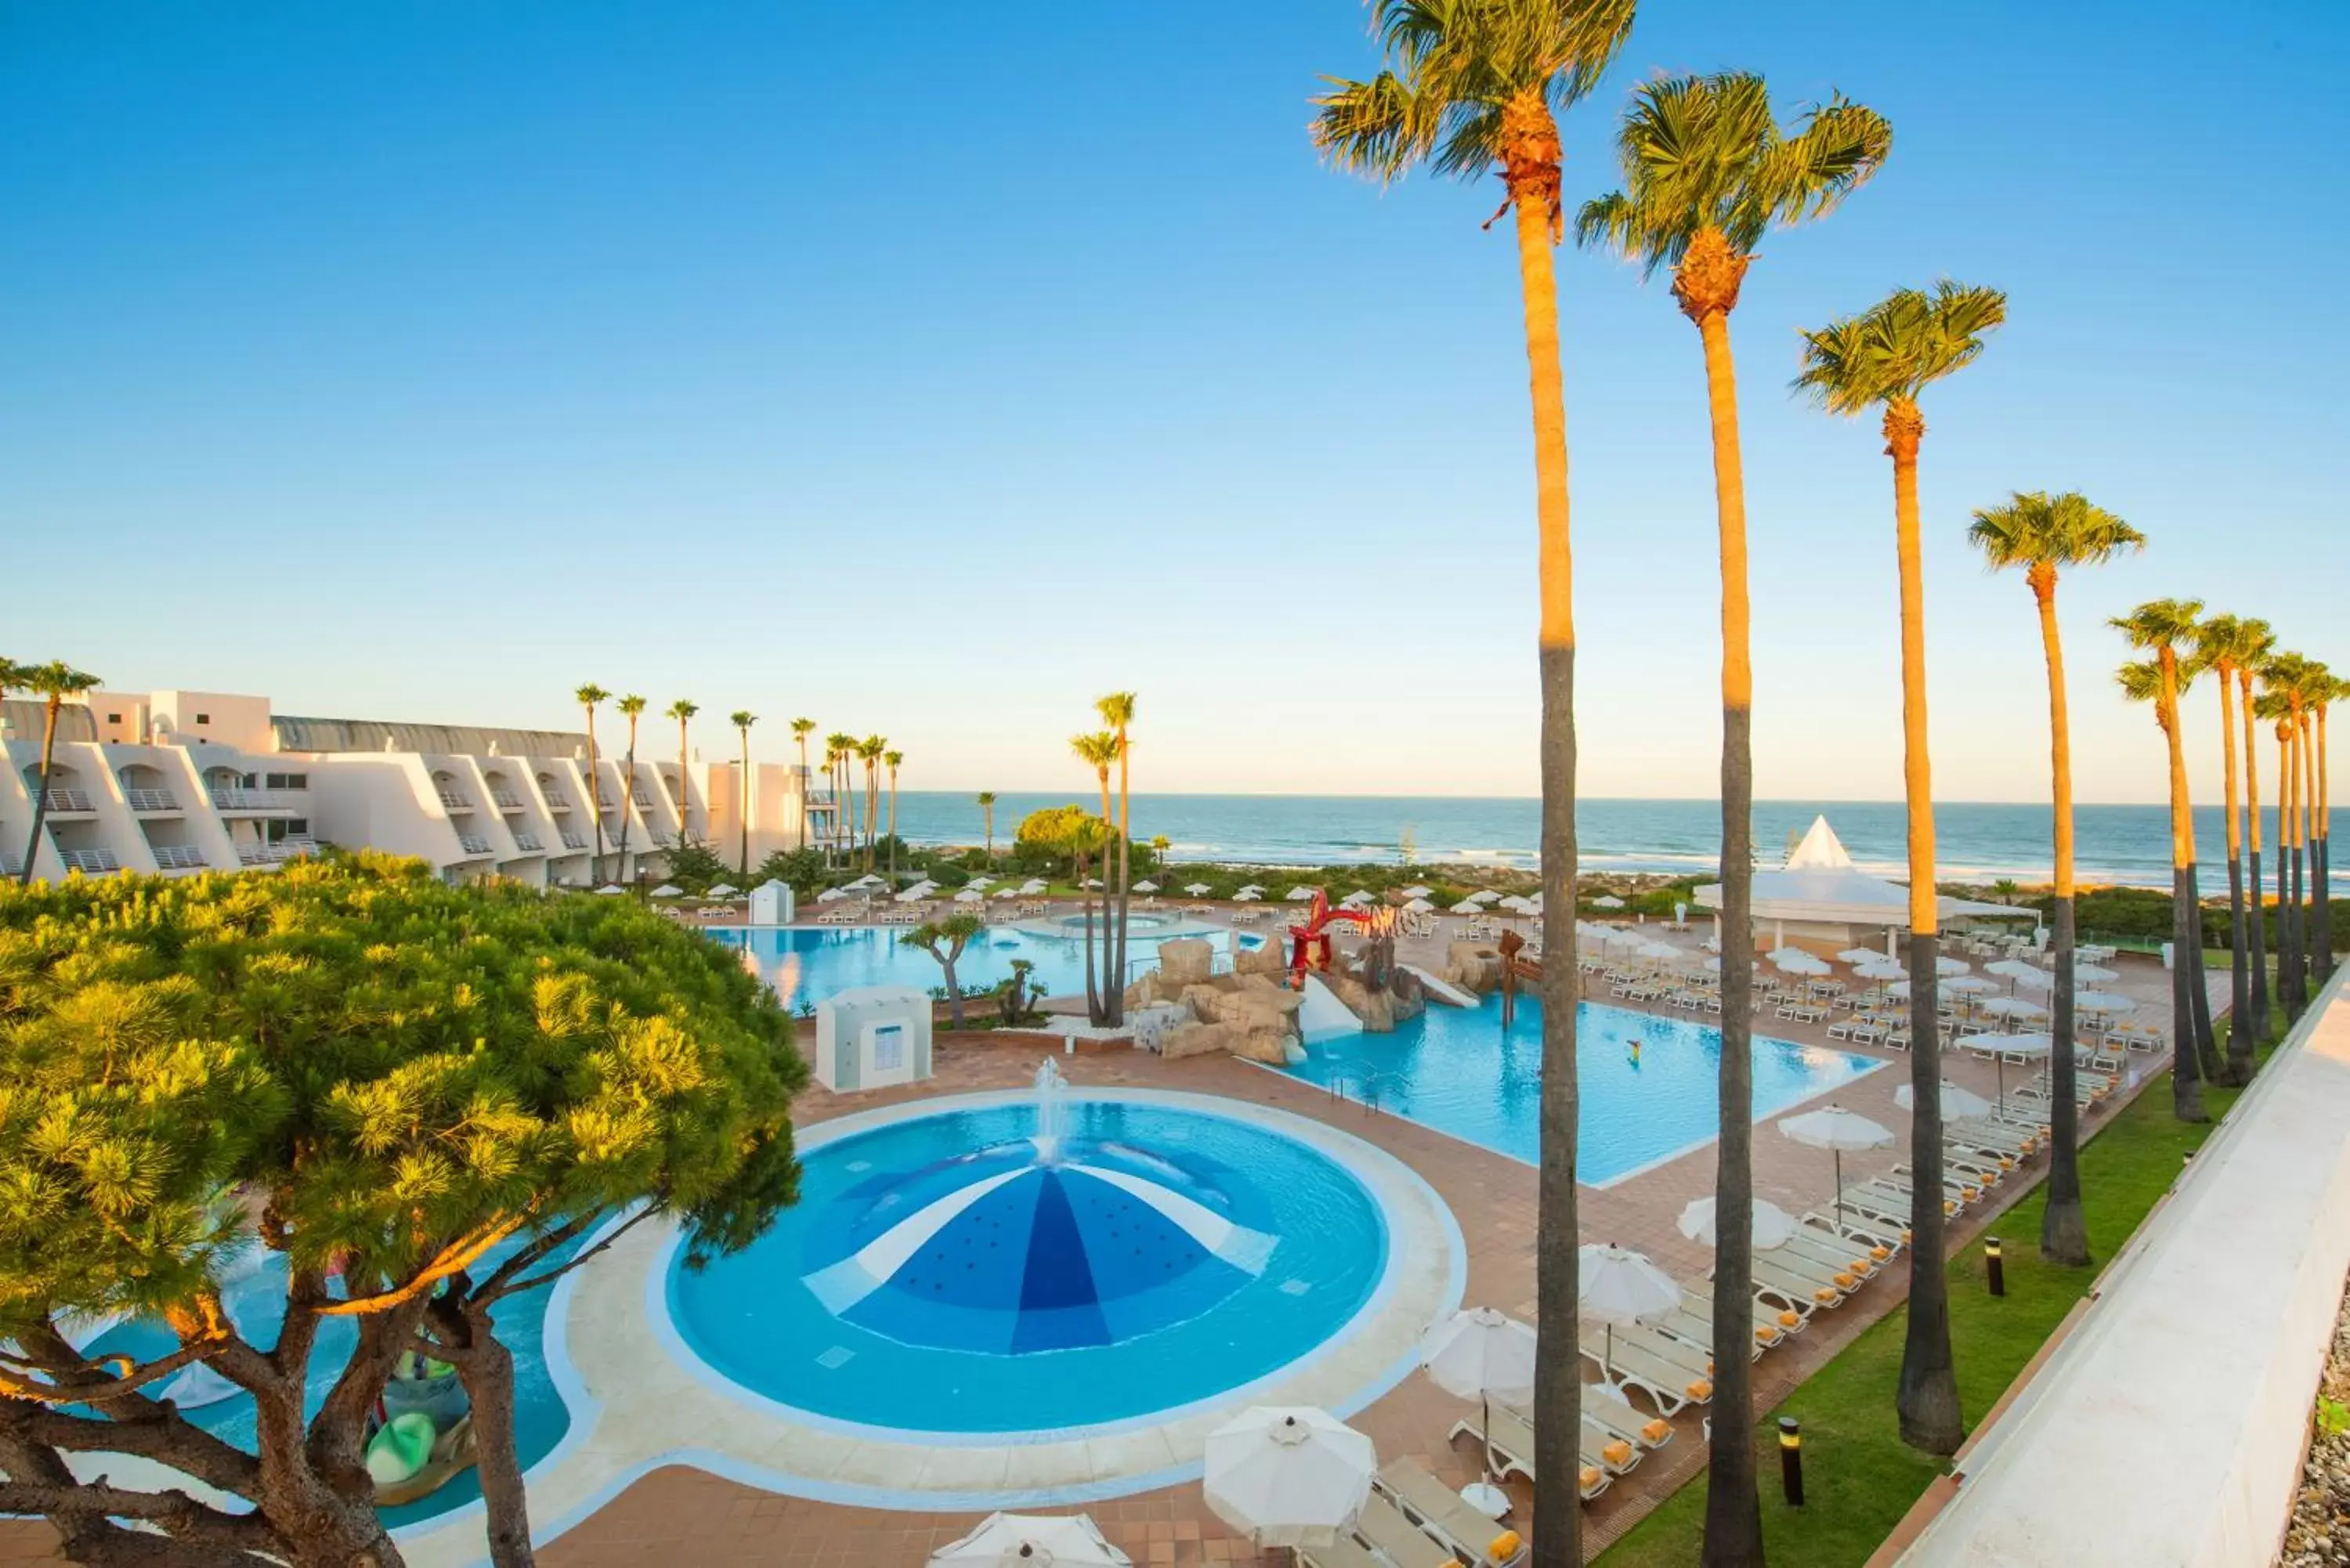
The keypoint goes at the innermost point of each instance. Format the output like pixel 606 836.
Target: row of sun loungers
pixel 1413 1521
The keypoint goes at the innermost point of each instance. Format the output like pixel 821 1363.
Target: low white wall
pixel 2167 1430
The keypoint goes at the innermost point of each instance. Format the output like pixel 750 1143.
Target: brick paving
pixel 679 1514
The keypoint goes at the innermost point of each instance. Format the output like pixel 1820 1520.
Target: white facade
pixel 179 782
pixel 873 1038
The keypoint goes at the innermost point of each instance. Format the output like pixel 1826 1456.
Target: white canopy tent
pixel 1823 895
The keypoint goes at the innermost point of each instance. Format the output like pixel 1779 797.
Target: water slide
pixel 1323 1016
pixel 1442 990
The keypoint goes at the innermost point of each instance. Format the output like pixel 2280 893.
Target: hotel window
pixel 289 781
pixel 204 718
pixel 114 718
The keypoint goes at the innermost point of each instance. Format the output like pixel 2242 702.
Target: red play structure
pixel 1310 943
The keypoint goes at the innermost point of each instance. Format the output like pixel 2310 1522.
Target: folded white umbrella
pixel 1795 961
pixel 1033 1541
pixel 1288 1475
pixel 1837 1130
pixel 1772 1226
pixel 1195 889
pixel 1145 887
pixel 1958 1104
pixel 1618 1288
pixel 668 890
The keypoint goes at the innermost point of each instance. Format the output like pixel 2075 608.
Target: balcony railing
pixel 643 798
pixel 151 799
pixel 180 857
pixel 505 800
pixel 11 863
pixel 555 802
pixel 453 801
pixel 90 860
pixel 68 800
pixel 528 843
pixel 231 798
pixel 572 840
pixel 472 844
pixel 257 854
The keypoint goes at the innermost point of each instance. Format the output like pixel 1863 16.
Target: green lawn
pixel 1858 1478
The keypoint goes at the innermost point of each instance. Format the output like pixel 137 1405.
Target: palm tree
pixel 1706 174
pixel 2160 627
pixel 1086 836
pixel 632 706
pixel 987 805
pixel 590 697
pixel 2275 705
pixel 839 747
pixel 2252 650
pixel 891 760
pixel 2321 868
pixel 1117 710
pixel 2044 534
pixel 1887 355
pixel 52 682
pixel 1473 87
pixel 2221 645
pixel 868 752
pixel 2313 679
pixel 1098 751
pixel 743 718
pixel 684 710
pixel 801 730
pixel 955 931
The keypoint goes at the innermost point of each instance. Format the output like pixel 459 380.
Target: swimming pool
pixel 968 1272
pixel 808 963
pixel 255 1299
pixel 1649 1085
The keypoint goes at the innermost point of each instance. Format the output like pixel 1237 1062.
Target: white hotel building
pixel 181 781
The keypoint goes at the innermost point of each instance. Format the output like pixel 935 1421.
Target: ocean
pixel 2126 844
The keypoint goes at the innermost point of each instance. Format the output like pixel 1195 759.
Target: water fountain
pixel 1051 1111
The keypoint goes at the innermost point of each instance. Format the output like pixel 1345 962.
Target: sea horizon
pixel 1977 841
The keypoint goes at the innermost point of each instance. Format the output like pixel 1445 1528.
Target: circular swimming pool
pixel 980 1270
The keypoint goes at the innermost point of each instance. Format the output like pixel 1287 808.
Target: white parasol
pixel 1772 1226
pixel 1619 1288
pixel 1033 1541
pixel 1484 1354
pixel 1958 1104
pixel 1835 1128
pixel 1795 961
pixel 1288 1475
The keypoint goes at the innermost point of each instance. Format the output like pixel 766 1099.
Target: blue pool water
pixel 1457 1070
pixel 951 1274
pixel 256 1304
pixel 806 964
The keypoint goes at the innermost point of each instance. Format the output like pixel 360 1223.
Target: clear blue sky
pixel 936 369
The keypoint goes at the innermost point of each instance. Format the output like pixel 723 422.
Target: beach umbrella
pixel 1195 889
pixel 1481 1353
pixel 1880 968
pixel 2011 1007
pixel 914 894
pixel 1618 1288
pixel 1607 901
pixel 1145 887
pixel 868 880
pixel 610 889
pixel 1033 1541
pixel 1966 984
pixel 2017 969
pixel 1420 906
pixel 1958 1104
pixel 1093 882
pixel 2082 974
pixel 1951 966
pixel 831 894
pixel 1772 1226
pixel 1837 1130
pixel 970 896
pixel 2002 1046
pixel 1520 903
pixel 1664 951
pixel 1288 1475
pixel 1468 907
pixel 1031 887
pixel 1247 895
pixel 1416 891
pixel 1256 888
pixel 669 890
pixel 1007 893
pixel 1861 955
pixel 723 890
pixel 1298 895
pixel 2104 1001
pixel 1795 961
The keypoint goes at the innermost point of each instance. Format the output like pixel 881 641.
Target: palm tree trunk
pixel 2199 994
pixel 2239 1070
pixel 2063 1225
pixel 1124 885
pixel 2321 861
pixel 684 789
pixel 2289 949
pixel 41 798
pixel 2305 893
pixel 628 794
pixel 2255 917
pixel 1093 991
pixel 743 805
pixel 1928 1397
pixel 595 807
pixel 1734 1506
pixel 893 825
pixel 2186 1077
pixel 1531 136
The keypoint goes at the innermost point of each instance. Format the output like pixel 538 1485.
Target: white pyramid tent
pixel 1820 891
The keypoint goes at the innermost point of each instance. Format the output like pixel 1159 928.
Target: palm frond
pixel 2141 680
pixel 2160 624
pixel 1895 348
pixel 1377 128
pixel 2034 528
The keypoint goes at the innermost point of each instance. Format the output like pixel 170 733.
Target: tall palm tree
pixel 632 708
pixel 2221 644
pixel 2252 650
pixel 1885 357
pixel 1471 88
pixel 2045 534
pixel 987 805
pixel 590 697
pixel 684 710
pixel 2160 628
pixel 1706 174
pixel 2274 706
pixel 801 730
pixel 1097 751
pixel 839 747
pixel 891 760
pixel 2322 689
pixel 868 752
pixel 1117 710
pixel 52 682
pixel 743 718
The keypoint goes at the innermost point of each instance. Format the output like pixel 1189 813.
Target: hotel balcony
pixel 507 800
pixel 255 853
pixel 528 843
pixel 11 863
pixel 179 856
pixel 234 802
pixel 644 799
pixel 556 805
pixel 151 799
pixel 69 802
pixel 572 840
pixel 472 844
pixel 452 800
pixel 92 862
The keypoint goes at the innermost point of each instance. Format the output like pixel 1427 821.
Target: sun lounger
pixel 1693 1322
pixel 1862 1227
pixel 1822 1245
pixel 1344 1552
pixel 1439 1511
pixel 1382 1527
pixel 1612 1413
pixel 1509 1440
pixel 1670 1384
pixel 1962 1187
pixel 1804 1290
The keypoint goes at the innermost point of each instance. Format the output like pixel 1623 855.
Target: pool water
pixel 1649 1085
pixel 806 964
pixel 954 1273
pixel 256 1302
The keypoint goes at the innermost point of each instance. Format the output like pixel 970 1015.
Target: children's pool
pixel 1649 1085
pixel 808 963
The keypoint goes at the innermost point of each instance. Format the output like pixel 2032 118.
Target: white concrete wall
pixel 2165 1431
